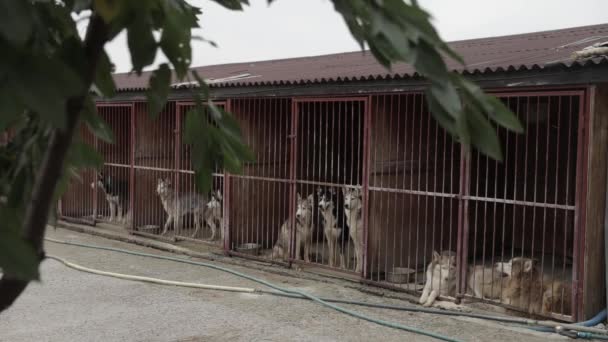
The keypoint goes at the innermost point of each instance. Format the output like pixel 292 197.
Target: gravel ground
pixel 69 305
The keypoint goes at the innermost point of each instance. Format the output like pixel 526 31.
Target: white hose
pixel 151 280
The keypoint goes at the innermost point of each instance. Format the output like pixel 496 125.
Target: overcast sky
pixel 295 28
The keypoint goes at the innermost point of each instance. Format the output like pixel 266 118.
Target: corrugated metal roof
pixel 516 52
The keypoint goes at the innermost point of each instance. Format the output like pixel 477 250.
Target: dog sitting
pixel 304 226
pixel 117 196
pixel 523 286
pixel 303 232
pixel 334 230
pixel 280 250
pixel 214 216
pixel 353 206
pixel 178 206
pixel 485 282
pixel 440 278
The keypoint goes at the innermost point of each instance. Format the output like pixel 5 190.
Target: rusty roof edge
pixel 554 65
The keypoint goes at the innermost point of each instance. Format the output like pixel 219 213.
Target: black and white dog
pixel 117 195
pixel 331 204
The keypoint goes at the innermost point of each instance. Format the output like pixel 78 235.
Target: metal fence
pixel 367 185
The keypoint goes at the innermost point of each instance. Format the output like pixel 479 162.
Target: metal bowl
pixel 148 227
pixel 249 248
pixel 399 275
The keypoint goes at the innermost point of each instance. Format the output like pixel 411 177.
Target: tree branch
pixel 36 215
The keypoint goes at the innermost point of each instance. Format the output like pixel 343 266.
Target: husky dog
pixel 523 284
pixel 353 206
pixel 303 232
pixel 557 298
pixel 440 277
pixel 304 226
pixel 214 215
pixel 334 230
pixel 486 282
pixel 280 250
pixel 176 207
pixel 117 196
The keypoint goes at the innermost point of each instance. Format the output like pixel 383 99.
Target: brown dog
pixel 557 298
pixel 523 286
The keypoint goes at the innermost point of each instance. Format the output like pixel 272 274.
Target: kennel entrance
pixel 530 204
pixel 427 195
pixel 184 182
pixel 329 160
pixel 84 201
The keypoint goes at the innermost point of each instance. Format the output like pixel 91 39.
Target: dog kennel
pixel 419 191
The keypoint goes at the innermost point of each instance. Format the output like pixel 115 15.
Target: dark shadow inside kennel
pixel 525 206
pixel 154 159
pixel 414 181
pixel 116 159
pixel 329 156
pixel 78 201
pixel 258 199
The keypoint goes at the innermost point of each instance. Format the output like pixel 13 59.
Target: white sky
pixel 295 28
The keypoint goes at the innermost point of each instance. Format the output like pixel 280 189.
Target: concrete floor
pixel 69 305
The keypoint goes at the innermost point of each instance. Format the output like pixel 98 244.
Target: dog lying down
pixel 517 282
pixel 524 288
pixel 440 278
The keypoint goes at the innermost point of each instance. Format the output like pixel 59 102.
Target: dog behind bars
pixel 440 277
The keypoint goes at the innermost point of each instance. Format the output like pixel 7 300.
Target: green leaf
pixel 176 34
pixel 83 155
pixel 103 76
pixel 96 123
pixel 46 95
pixel 108 9
pixel 16 21
pixel 160 85
pixel 483 135
pixel 235 5
pixel 142 44
pixel 17 257
pixel 498 112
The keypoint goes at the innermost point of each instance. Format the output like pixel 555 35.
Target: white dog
pixel 440 278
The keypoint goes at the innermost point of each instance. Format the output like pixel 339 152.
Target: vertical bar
pixel 177 162
pixel 463 224
pixel 132 166
pixel 226 198
pixel 365 180
pixel 96 147
pixel 292 177
pixel 580 205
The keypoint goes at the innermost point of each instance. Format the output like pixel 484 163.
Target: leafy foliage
pixel 397 31
pixel 45 68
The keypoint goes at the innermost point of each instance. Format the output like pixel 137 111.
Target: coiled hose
pixel 582 329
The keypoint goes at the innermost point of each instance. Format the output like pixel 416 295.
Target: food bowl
pixel 148 227
pixel 249 248
pixel 399 275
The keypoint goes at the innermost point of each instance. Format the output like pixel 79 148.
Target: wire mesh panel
pixel 258 199
pixel 79 202
pixel 113 181
pixel 414 182
pixel 206 224
pixel 329 197
pixel 521 212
